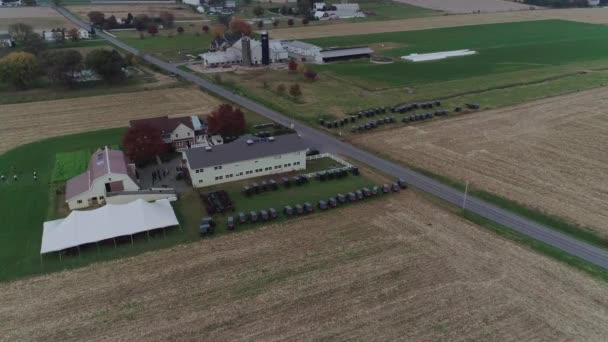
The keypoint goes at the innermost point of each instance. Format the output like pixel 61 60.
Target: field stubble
pixel 548 154
pixel 399 268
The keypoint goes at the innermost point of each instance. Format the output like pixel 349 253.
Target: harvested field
pixel 40 18
pixel 468 6
pixel 21 123
pixel 120 11
pixel 549 154
pixel 411 272
pixel 586 15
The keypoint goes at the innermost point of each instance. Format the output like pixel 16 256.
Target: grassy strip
pixel 541 247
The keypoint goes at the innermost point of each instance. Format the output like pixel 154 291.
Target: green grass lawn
pixel 69 164
pixel 501 48
pixel 170 48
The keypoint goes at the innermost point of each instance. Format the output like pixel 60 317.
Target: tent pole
pixel 148 232
pixel 165 232
pixel 131 240
pixel 59 255
pixel 114 242
pixel 41 263
pixel 97 243
pixel 78 251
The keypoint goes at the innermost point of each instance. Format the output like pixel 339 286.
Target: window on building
pixel 188 133
pixel 200 180
pixel 176 135
pixel 197 171
pixel 79 201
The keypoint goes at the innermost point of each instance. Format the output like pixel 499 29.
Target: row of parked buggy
pixel 207 225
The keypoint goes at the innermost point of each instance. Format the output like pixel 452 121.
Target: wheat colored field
pixel 27 122
pixel 397 268
pixel 550 154
pixel 468 6
pixel 40 18
pixel 586 15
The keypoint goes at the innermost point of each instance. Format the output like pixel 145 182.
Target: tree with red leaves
pixel 295 90
pixel 310 74
pixel 142 143
pixel 240 26
pixel 152 29
pixel 290 22
pixel 205 28
pixel 293 66
pixel 226 121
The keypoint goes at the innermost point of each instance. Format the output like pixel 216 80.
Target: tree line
pixel 140 22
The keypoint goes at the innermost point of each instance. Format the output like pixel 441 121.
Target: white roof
pixel 300 45
pixel 339 52
pixel 423 57
pixel 109 221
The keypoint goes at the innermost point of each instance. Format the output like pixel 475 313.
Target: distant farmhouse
pixel 323 11
pixel 6 41
pixel 182 133
pixel 246 157
pixel 59 34
pixel 10 3
pixel 108 171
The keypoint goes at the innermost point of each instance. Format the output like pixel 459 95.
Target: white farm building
pixel 246 157
pixel 234 54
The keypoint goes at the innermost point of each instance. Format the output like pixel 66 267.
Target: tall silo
pixel 265 48
pixel 246 48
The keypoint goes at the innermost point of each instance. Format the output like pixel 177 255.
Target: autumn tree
pixel 61 66
pixel 310 74
pixel 293 66
pixel 276 23
pixel 227 121
pixel 290 22
pixel 152 29
pixel 295 90
pixel 218 31
pixel 140 22
pixel 281 89
pixel 72 34
pixel 166 18
pixel 206 28
pixel 33 43
pixel 96 17
pixel 143 143
pixel 258 10
pixel 107 64
pixel 240 26
pixel 19 31
pixel 180 30
pixel 305 21
pixel 19 69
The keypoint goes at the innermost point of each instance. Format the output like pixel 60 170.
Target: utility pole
pixel 464 200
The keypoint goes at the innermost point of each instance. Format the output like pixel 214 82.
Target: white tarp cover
pixel 423 57
pixel 109 221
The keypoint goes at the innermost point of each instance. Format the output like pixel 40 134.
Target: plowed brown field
pixel 550 154
pixel 399 268
pixel 587 15
pixel 27 122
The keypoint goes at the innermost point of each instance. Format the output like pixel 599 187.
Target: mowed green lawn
pixel 502 48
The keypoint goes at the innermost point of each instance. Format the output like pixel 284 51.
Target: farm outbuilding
pixel 107 222
pixel 344 53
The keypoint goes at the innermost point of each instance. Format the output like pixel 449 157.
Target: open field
pixel 585 15
pixel 180 12
pixel 69 116
pixel 469 6
pixel 40 18
pixel 517 62
pixel 395 269
pixel 548 154
pixel 168 45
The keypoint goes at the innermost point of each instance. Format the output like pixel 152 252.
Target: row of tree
pixel 140 22
pixel 61 66
pixel 143 143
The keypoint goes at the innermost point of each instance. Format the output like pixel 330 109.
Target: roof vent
pixel 208 148
pixel 249 142
pixel 271 139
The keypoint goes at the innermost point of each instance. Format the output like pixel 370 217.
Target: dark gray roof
pixel 239 150
pixel 347 51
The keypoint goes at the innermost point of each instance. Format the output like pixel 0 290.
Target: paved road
pixel 325 142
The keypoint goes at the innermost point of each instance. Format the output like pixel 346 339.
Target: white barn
pixel 234 54
pixel 246 157
pixel 108 171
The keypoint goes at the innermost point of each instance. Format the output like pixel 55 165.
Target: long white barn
pixel 246 157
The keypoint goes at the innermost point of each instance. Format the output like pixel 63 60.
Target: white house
pixel 51 36
pixel 6 41
pixel 84 34
pixel 246 157
pixel 108 171
pixel 10 3
pixel 319 6
pixel 181 132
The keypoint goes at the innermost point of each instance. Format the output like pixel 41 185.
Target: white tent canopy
pixel 109 221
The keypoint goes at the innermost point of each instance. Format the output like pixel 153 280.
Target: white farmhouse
pixel 108 172
pixel 84 34
pixel 181 132
pixel 246 157
pixel 301 50
pixel 234 54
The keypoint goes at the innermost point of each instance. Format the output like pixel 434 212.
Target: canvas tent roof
pixel 109 221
